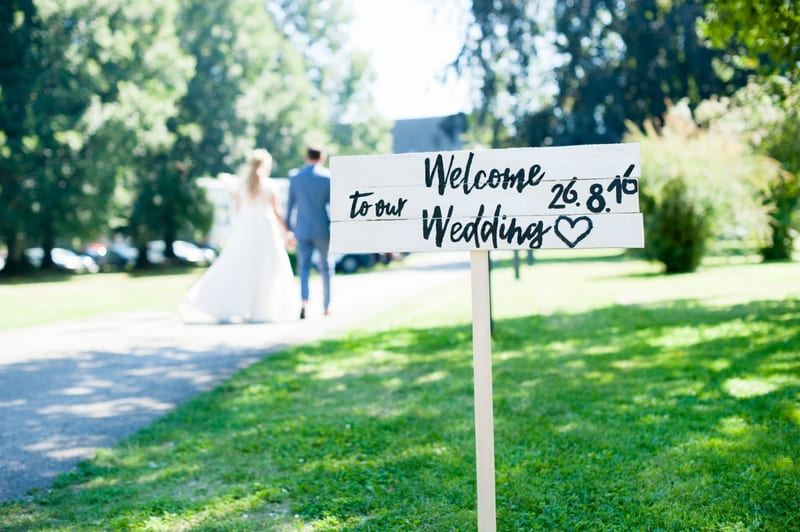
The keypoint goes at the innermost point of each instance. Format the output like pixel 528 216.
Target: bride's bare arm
pixel 278 214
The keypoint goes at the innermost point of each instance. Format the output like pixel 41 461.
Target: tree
pixel 90 66
pixel 764 30
pixel 19 29
pixel 613 62
pixel 337 109
pixel 110 110
pixel 62 55
pixel 502 50
pixel 266 75
pixel 766 113
pixel 207 130
pixel 767 36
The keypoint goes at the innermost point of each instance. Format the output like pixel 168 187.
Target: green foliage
pixel 110 110
pixel 784 196
pixel 100 79
pixel 766 114
pixel 258 81
pixel 51 78
pixel 677 227
pixel 358 129
pixel 499 50
pixel 630 401
pixel 135 129
pixel 699 186
pixel 576 72
pixel 19 31
pixel 763 29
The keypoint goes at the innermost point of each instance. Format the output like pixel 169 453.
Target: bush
pixel 766 114
pixel 699 189
pixel 677 227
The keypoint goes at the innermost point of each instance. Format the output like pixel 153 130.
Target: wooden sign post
pixel 516 198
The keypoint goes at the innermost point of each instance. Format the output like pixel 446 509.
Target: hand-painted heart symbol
pixel 570 235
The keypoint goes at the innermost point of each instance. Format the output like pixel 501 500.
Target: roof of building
pixel 436 133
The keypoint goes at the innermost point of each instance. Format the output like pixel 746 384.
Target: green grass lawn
pixel 623 400
pixel 46 297
pixel 52 297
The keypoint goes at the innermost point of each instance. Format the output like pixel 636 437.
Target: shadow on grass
pixel 652 417
pixel 656 417
pixel 58 276
pixel 165 269
pixel 37 276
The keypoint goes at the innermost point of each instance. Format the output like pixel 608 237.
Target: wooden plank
pixel 517 198
pixel 513 232
pixel 571 196
pixel 457 167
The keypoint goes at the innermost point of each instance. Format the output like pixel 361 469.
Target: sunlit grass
pixel 53 297
pixel 623 400
pixel 48 297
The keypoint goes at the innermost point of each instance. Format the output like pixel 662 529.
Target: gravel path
pixel 69 388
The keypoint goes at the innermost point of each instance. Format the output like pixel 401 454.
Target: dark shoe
pixel 302 313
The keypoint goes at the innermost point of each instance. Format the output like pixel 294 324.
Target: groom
pixel 309 199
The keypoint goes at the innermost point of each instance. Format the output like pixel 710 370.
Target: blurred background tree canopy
pixel 599 71
pixel 110 111
pixel 574 71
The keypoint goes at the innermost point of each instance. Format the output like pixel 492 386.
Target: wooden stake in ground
pixel 482 371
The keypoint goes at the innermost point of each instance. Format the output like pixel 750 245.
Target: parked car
pixel 63 259
pixel 109 257
pixel 386 258
pixel 184 251
pixel 352 262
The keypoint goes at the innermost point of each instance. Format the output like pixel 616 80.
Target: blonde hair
pixel 257 158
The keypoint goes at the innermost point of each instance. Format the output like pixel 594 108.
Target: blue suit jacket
pixel 308 213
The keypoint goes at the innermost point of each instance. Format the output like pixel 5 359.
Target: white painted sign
pixel 517 198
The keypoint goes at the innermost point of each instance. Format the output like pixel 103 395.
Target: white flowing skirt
pixel 251 279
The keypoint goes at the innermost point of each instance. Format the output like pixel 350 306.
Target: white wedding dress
pixel 251 280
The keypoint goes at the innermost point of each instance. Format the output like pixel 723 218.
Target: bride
pixel 251 279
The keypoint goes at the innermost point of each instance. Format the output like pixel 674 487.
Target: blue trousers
pixel 305 250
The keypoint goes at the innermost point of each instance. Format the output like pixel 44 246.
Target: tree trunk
pixel 15 261
pixel 785 199
pixel 48 243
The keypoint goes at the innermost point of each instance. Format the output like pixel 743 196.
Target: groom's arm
pixel 290 206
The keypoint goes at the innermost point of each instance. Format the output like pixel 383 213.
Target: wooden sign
pixel 521 198
pixel 517 198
